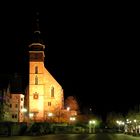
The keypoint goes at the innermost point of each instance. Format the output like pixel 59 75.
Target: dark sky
pixel 92 51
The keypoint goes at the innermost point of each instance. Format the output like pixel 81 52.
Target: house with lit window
pixel 12 99
pixel 16 107
pixel 17 91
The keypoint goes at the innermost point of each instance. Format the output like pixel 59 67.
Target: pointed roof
pixel 36 37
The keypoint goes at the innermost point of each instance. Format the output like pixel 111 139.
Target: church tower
pixel 45 95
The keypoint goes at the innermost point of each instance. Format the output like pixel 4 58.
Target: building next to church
pixel 45 94
pixel 16 107
pixel 12 100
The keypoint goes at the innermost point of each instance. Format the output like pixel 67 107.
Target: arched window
pixel 36 69
pixel 36 80
pixel 52 91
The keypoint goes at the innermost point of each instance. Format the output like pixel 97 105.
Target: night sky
pixel 91 51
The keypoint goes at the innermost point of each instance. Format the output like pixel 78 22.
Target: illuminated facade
pixel 11 105
pixel 16 106
pixel 45 95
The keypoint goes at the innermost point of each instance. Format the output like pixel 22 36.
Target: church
pixel 41 99
pixel 44 95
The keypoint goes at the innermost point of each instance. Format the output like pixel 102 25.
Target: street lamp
pixel 135 121
pixel 135 125
pixel 68 114
pixel 119 124
pixel 50 115
pixel 92 126
pixel 68 108
pixel 31 115
pixel 23 110
pixel 72 119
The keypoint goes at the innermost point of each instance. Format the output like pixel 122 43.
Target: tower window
pixel 36 80
pixel 49 103
pixel 35 96
pixel 36 69
pixel 52 91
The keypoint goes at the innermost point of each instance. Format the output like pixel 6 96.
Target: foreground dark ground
pixel 100 136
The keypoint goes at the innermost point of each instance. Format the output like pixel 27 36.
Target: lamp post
pixel 50 115
pixel 68 114
pixel 135 126
pixel 92 126
pixel 31 115
pixel 120 123
pixel 68 108
pixel 72 119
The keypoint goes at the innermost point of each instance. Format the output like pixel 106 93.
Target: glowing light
pixel 68 108
pixel 120 122
pixel 92 122
pixel 50 114
pixel 31 115
pixel 72 118
pixel 135 121
pixel 23 110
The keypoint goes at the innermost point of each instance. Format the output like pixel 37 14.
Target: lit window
pixel 36 80
pixel 52 91
pixel 35 96
pixel 36 69
pixel 49 103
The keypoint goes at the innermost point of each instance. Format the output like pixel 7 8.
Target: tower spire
pixel 36 43
pixel 37 28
